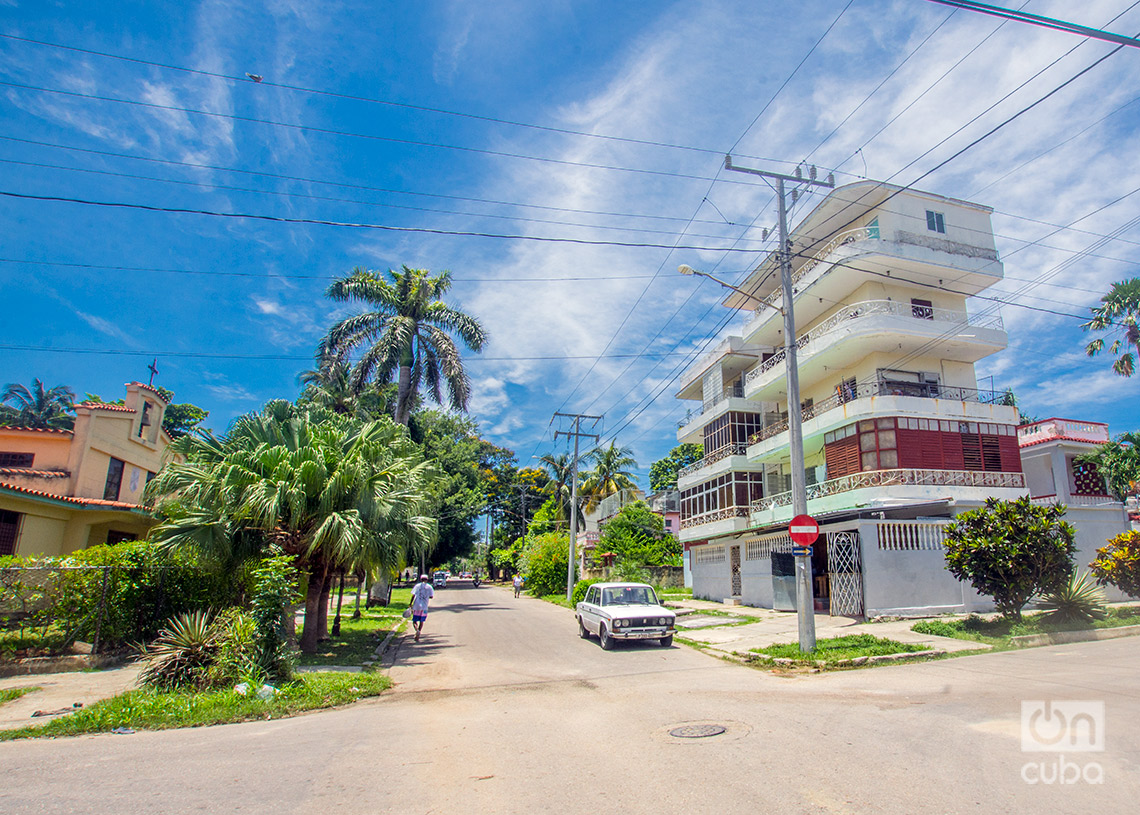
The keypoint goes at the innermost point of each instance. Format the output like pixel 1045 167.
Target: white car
pixel 624 611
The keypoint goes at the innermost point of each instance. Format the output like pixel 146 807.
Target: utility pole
pixel 805 601
pixel 576 434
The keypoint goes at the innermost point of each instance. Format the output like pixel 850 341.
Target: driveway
pixel 502 709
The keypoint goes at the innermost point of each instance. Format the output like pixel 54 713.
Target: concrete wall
pixel 1094 527
pixel 908 582
pixel 49 448
pixel 756 581
pixel 711 580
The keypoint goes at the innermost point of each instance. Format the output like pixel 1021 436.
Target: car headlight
pixel 619 623
pixel 662 621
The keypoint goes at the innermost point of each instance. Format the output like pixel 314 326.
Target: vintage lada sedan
pixel 624 611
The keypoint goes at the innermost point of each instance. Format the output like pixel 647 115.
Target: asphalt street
pixel 502 708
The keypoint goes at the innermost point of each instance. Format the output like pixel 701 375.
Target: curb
pixel 378 655
pixel 1064 637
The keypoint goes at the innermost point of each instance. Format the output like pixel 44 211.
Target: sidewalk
pixel 770 627
pixel 62 690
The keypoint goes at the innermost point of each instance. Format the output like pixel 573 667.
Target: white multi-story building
pixel 898 437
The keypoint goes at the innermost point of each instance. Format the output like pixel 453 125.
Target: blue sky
pixel 233 307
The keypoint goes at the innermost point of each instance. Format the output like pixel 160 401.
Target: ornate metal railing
pixel 900 477
pixel 862 233
pixel 735 449
pixel 866 308
pixel 876 387
pixel 715 515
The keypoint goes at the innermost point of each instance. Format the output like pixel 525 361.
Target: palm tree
pixel 329 386
pixel 406 335
pixel 610 473
pixel 39 406
pixel 560 469
pixel 333 492
pixel 1119 310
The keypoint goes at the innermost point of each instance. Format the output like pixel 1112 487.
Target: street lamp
pixel 686 269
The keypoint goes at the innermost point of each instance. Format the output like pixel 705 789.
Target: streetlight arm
pixel 686 269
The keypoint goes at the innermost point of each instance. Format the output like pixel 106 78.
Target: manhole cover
pixel 697 731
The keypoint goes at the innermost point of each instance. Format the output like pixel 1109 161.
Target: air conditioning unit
pixel 929 379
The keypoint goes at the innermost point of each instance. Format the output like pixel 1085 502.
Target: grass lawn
pixel 998 631
pixel 840 648
pixel 358 639
pixel 153 710
pixel 32 641
pixel 10 694
pixel 558 600
pixel 676 593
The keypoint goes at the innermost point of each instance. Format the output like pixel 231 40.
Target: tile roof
pixel 87 503
pixel 104 406
pixel 150 388
pixel 30 473
pixel 60 430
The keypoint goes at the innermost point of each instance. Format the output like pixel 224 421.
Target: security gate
pixel 734 563
pixel 845 574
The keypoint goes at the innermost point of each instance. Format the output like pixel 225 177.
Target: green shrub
pixel 143 587
pixel 1011 550
pixel 183 653
pixel 237 655
pixel 579 593
pixel 627 571
pixel 937 628
pixel 544 560
pixel 1118 563
pixel 1078 601
pixel 274 592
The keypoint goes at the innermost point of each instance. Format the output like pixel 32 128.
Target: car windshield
pixel 629 596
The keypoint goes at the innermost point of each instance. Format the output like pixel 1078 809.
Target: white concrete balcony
pixel 1062 430
pixel 732 458
pixel 691 427
pixel 834 271
pixel 714 524
pixel 859 329
pixel 1078 501
pixel 887 488
pixel 867 400
pixel 731 355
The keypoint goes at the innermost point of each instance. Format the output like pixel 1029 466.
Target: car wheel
pixel 583 632
pixel 605 640
pixel 667 642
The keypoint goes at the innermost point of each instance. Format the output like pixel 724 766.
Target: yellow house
pixel 63 490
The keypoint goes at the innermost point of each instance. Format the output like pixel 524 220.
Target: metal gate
pixel 734 563
pixel 845 574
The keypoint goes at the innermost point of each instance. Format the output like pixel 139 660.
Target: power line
pixel 269 83
pixel 357 225
pixel 350 134
pixel 1044 22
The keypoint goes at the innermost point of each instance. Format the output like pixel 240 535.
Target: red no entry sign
pixel 804 530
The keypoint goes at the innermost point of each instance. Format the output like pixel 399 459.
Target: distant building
pixel 63 490
pixel 1049 453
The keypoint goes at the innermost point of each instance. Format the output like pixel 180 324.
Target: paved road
pixel 502 709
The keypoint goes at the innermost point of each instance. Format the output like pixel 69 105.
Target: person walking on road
pixel 420 596
pixel 517 582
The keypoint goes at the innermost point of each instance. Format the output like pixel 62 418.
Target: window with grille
pixel 16 459
pixel 922 309
pixel 9 531
pixel 114 480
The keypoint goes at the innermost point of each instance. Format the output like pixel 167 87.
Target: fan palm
pixel 560 469
pixel 406 334
pixel 1119 310
pixel 38 406
pixel 329 490
pixel 610 474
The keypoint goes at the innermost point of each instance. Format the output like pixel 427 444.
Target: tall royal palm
pixel 405 333
pixel 611 472
pixel 38 406
pixel 1118 313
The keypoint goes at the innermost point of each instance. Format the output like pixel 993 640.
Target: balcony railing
pixel 735 449
pixel 877 387
pixel 1062 429
pixel 1076 500
pixel 715 515
pixel 734 391
pixel 862 233
pixel 900 477
pixel 867 308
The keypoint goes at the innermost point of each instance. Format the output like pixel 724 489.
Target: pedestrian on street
pixel 420 596
pixel 517 582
